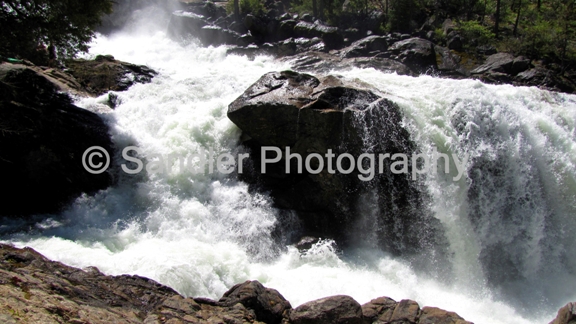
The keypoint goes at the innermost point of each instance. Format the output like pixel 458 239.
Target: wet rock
pixel 448 62
pixel 330 310
pixel 39 160
pixel 500 62
pixel 307 18
pixel 184 24
pixel 258 27
pixel 519 65
pixel 545 79
pixel 365 46
pixel 315 44
pixel 207 9
pixel 286 28
pixel 415 52
pixel 324 62
pixel 268 304
pixel 329 35
pixel 379 309
pixel 104 74
pixel 486 49
pixel 566 315
pixel 455 43
pixel 307 115
pixel 433 315
pixel 216 36
pixel 406 311
pixel 306 242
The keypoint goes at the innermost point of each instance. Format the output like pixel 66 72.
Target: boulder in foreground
pixel 43 140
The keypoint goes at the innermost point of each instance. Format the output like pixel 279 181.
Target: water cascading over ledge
pixel 368 206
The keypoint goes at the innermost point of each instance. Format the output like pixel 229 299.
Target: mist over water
pixel 509 221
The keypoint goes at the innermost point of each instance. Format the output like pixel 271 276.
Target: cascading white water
pixel 202 233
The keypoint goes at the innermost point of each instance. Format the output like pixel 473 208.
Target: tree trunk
pixel 517 17
pixel 236 10
pixel 497 19
pixel 314 9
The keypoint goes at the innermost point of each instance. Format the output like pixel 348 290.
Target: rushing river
pixel 510 221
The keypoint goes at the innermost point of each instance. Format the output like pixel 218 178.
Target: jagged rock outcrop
pixel 104 74
pixel 312 117
pixel 43 140
pixel 34 289
pixel 566 315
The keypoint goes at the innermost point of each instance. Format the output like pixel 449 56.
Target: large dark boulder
pixel 43 139
pixel 449 62
pixel 415 52
pixel 308 115
pixel 329 310
pixel 545 79
pixel 268 304
pixel 499 62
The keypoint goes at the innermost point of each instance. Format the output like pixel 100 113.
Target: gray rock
pixel 519 65
pixel 499 62
pixel 329 35
pixel 364 46
pixel 455 43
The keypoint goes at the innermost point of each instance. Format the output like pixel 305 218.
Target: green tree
pixel 60 27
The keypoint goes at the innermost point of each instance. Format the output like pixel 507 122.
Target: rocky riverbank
pixel 37 290
pixel 34 289
pixel 313 46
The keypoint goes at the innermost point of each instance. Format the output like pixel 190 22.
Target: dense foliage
pixel 48 29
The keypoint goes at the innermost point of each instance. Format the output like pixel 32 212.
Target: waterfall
pixel 508 221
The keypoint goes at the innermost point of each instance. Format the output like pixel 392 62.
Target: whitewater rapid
pixel 202 233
